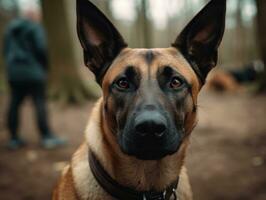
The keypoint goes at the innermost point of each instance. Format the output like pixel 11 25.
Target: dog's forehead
pixel 148 61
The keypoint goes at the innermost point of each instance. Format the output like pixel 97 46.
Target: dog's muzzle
pixel 149 136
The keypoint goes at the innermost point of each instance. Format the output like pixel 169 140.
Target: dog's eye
pixel 123 83
pixel 175 83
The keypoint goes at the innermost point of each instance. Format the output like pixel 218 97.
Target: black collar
pixel 124 193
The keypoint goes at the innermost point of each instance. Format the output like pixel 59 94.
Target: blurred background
pixel 227 155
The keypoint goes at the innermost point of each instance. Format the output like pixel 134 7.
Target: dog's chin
pixel 148 152
pixel 152 155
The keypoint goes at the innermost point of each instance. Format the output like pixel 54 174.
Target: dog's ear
pixel 200 39
pixel 99 38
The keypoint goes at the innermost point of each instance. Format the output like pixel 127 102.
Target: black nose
pixel 150 124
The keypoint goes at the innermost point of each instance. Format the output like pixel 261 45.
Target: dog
pixel 139 130
pixel 234 80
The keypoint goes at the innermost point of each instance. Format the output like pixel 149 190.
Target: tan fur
pixel 65 189
pixel 78 183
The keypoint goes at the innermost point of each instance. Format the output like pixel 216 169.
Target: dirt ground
pixel 226 159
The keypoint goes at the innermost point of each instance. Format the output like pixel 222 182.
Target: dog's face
pixel 147 98
pixel 150 95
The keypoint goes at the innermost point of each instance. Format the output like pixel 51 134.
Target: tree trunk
pixel 147 35
pixel 143 26
pixel 240 47
pixel 65 81
pixel 261 19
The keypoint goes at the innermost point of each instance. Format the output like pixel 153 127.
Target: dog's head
pixel 150 95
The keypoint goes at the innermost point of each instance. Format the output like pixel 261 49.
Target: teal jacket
pixel 25 51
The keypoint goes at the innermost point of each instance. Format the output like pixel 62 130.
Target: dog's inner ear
pixel 91 36
pixel 99 38
pixel 200 39
pixel 206 35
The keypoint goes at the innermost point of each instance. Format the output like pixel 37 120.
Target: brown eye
pixel 175 83
pixel 123 83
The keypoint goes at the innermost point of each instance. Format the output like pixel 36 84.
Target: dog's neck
pixel 127 170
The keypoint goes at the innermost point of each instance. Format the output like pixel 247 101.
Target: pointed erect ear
pixel 200 39
pixel 99 38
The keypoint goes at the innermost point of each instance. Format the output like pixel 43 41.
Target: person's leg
pixel 38 95
pixel 16 98
pixel 47 137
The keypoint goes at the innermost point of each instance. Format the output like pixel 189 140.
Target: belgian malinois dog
pixel 139 130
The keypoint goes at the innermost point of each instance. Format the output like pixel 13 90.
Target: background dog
pixel 139 130
pixel 234 79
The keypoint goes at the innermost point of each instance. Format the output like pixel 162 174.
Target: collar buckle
pixel 173 194
pixel 154 196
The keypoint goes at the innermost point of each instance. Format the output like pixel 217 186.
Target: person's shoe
pixel 52 142
pixel 15 144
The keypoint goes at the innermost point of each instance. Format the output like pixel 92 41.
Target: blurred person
pixel 25 54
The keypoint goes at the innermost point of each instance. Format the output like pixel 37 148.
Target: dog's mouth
pixel 152 154
pixel 149 150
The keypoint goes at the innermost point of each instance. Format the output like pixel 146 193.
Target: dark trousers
pixel 20 90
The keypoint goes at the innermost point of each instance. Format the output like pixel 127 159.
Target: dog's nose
pixel 150 124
